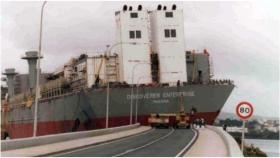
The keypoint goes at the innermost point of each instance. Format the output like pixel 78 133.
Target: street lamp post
pixel 131 94
pixel 108 84
pixel 108 95
pixel 136 104
pixel 37 91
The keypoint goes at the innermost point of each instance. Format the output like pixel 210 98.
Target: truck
pixel 175 120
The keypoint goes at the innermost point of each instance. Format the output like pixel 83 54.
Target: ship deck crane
pixel 97 78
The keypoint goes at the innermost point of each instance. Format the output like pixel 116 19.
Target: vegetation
pixel 250 151
pixel 253 133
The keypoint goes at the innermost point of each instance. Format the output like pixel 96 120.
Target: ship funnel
pixel 125 8
pixel 32 57
pixel 174 7
pixel 139 7
pixel 159 7
pixel 10 73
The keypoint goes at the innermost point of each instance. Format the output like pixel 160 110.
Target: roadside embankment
pixel 214 142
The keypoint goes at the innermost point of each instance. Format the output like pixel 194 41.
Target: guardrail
pixel 232 146
pixel 54 138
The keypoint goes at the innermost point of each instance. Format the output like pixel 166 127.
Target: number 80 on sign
pixel 244 110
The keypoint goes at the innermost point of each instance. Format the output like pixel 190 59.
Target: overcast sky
pixel 242 38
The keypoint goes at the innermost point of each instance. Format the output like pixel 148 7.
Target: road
pixel 154 143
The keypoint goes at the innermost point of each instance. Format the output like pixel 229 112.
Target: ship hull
pixel 86 110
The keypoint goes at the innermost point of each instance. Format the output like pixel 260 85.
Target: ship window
pixel 169 14
pixel 173 33
pixel 138 34
pixel 166 33
pixel 131 34
pixel 134 15
pixel 170 33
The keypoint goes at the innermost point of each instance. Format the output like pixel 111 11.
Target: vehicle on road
pixel 176 120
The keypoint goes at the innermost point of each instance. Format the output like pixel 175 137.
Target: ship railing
pixel 45 87
pixel 221 82
pixel 51 88
pixel 55 88
pixel 63 89
pixel 170 84
pixel 46 98
pixel 20 103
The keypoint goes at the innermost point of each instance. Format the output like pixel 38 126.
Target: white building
pixel 167 33
pixel 133 44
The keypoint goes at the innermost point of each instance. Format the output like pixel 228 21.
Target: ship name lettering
pixel 177 94
pixel 159 95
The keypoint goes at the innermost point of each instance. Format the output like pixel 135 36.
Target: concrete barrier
pixel 54 138
pixel 232 146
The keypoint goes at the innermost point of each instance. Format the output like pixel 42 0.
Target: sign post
pixel 244 111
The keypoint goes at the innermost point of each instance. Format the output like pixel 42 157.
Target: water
pixel 270 147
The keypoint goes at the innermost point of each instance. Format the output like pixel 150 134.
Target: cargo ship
pixel 146 71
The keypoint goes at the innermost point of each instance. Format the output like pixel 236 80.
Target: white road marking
pixel 101 144
pixel 150 143
pixel 187 146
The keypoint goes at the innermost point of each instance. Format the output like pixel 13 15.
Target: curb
pixel 185 150
pixel 14 144
pixel 52 154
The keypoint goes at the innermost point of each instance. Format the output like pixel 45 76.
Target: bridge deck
pixel 157 142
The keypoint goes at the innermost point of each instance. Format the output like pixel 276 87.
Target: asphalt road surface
pixel 154 143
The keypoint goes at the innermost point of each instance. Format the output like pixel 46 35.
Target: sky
pixel 241 36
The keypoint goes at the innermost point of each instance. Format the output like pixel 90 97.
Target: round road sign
pixel 244 110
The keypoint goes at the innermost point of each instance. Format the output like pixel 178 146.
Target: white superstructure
pixel 133 45
pixel 101 69
pixel 141 35
pixel 167 32
pixel 95 67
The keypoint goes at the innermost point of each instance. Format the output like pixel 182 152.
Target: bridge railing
pixel 232 146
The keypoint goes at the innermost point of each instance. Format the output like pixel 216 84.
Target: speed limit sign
pixel 244 110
